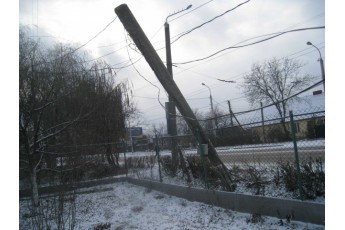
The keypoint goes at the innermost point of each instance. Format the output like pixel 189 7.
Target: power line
pixel 275 35
pixel 250 44
pixel 274 103
pixel 241 74
pixel 190 11
pixel 201 25
pixel 252 110
pixel 235 78
pixel 140 73
pixel 81 46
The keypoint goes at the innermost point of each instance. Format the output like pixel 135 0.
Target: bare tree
pixel 64 102
pixel 182 126
pixel 273 82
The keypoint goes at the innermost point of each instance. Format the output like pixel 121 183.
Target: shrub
pixel 102 226
pixel 167 166
pixel 289 176
pixel 312 178
pixel 254 179
pixel 254 219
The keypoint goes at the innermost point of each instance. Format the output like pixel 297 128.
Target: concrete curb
pixel 304 211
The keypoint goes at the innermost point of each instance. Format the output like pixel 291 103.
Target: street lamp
pixel 167 40
pixel 321 64
pixel 171 109
pixel 230 110
pixel 212 110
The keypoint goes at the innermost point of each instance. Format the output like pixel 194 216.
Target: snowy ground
pixel 126 206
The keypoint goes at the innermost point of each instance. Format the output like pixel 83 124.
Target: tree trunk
pixel 34 188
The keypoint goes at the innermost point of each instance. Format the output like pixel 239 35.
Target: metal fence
pixel 262 152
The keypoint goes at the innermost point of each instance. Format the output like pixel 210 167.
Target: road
pixel 271 155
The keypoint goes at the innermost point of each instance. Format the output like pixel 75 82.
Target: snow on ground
pixel 269 190
pixel 127 206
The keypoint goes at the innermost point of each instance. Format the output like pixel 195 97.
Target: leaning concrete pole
pixel 142 42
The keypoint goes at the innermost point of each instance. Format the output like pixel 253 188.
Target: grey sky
pixel 78 20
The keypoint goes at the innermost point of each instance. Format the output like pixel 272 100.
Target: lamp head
pixel 188 7
pixel 309 43
pixel 203 83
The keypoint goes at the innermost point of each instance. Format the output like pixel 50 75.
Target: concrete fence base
pixel 304 211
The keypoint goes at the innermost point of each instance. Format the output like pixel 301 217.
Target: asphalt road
pixel 272 155
pixel 259 154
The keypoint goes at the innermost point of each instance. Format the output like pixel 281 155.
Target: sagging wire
pixel 274 103
pixel 81 46
pixel 201 25
pixel 158 95
pixel 130 59
pixel 236 46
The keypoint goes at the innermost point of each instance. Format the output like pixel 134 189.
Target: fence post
pixel 263 123
pixel 203 148
pixel 293 133
pixel 124 154
pixel 158 159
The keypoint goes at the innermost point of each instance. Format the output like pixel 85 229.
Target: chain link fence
pixel 264 152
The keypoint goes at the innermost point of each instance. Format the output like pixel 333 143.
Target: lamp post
pixel 170 106
pixel 321 64
pixel 214 122
pixel 230 110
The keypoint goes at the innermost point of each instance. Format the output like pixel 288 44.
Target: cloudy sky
pixel 77 21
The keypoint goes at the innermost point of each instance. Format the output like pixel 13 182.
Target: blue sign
pixel 134 131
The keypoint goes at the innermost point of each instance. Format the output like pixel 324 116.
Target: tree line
pixel 66 102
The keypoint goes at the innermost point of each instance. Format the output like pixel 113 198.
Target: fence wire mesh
pixel 258 148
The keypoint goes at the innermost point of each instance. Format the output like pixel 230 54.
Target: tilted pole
pixel 143 44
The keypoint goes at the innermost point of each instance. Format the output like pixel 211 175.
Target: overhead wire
pixel 158 95
pixel 249 40
pixel 218 84
pixel 238 76
pixel 126 65
pixel 277 34
pixel 201 25
pixel 274 103
pixel 256 109
pixel 190 11
pixel 81 46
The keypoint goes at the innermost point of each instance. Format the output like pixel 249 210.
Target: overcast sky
pixel 73 21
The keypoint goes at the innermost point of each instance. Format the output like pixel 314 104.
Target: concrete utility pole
pixel 170 106
pixel 161 72
pixel 321 65
pixel 214 118
pixel 230 111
